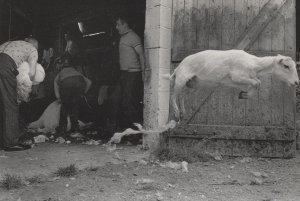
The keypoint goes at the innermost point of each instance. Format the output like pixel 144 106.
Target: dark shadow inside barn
pixel 91 24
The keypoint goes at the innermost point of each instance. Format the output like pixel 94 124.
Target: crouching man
pixel 69 87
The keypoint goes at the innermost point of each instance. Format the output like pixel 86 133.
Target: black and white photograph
pixel 149 100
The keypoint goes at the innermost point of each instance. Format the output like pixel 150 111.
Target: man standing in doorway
pixel 128 93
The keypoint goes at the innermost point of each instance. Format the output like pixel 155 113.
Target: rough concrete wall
pixel 158 56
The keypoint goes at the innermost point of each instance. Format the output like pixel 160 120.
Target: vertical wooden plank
pixel 196 98
pixel 215 28
pixel 178 16
pixel 240 23
pixel 277 102
pixel 253 113
pixel 252 12
pixel 289 13
pixel 239 105
pixel 228 24
pixel 265 38
pixel 278 35
pixel 215 42
pixel 202 27
pixel 226 93
pixel 267 107
pixel 265 97
pixel 213 117
pixel 289 105
pixel 190 24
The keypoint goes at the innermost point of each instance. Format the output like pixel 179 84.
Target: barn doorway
pixel 92 23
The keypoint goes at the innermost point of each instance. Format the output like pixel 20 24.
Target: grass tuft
pixel 68 171
pixel 34 180
pixel 11 182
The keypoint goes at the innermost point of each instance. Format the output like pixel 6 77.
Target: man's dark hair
pixel 123 17
pixel 68 60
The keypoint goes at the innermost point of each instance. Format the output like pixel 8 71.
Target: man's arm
pixel 88 84
pixel 56 87
pixel 140 52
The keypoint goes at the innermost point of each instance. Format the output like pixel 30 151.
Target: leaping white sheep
pixel 234 68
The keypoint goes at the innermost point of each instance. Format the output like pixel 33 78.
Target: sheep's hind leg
pixel 180 84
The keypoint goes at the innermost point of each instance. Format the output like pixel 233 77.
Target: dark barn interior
pixel 48 21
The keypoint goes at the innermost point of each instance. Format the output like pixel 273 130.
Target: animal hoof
pixel 243 95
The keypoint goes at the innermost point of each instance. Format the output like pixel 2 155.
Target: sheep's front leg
pixel 253 83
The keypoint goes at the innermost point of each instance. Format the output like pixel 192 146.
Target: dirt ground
pixel 129 175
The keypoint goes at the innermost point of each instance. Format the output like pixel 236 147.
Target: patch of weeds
pixel 34 180
pixel 176 154
pixel 11 182
pixel 68 171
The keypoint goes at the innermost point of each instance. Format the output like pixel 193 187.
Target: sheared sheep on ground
pixel 24 83
pixel 49 120
pixel 234 68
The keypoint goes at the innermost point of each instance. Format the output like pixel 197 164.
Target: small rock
pixel 67 185
pixel 171 186
pixel 60 140
pixel 246 160
pixel 259 174
pixel 144 181
pixel 256 181
pixel 184 166
pixel 172 165
pixel 202 196
pixel 40 139
pixel 159 196
pixel 72 178
pixel 54 179
pixel 117 156
pixel 76 135
pixel 111 148
pixel 143 162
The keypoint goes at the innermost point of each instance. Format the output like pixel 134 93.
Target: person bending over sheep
pixel 12 55
pixel 69 86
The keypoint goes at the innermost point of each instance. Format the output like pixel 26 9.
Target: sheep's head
pixel 285 70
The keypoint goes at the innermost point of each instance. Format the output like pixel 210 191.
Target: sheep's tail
pixel 170 77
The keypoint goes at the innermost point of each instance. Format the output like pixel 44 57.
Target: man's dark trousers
pixel 9 110
pixel 126 99
pixel 71 91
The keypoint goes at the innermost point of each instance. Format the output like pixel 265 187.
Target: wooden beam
pixel 265 16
